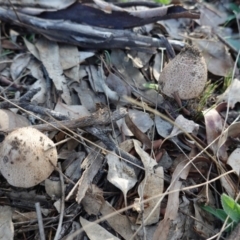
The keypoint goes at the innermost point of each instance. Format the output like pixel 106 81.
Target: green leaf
pixel 218 213
pixel 163 1
pixel 108 57
pixel 150 86
pixel 231 207
pixel 234 7
pixel 5 53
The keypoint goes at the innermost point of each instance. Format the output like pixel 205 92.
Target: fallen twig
pixel 40 221
pixel 62 205
pixel 100 117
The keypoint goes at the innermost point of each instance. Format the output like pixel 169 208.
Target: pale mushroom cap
pixel 185 74
pixel 24 161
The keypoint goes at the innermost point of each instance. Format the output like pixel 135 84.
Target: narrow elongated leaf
pixel 218 213
pixel 231 207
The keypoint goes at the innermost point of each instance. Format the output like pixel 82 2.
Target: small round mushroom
pixel 27 157
pixel 185 74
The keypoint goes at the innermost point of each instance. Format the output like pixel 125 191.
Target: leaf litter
pixel 113 99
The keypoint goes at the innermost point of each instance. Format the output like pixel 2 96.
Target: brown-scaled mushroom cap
pixel 185 74
pixel 25 156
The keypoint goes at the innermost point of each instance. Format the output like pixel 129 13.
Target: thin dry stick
pixel 54 127
pixel 203 150
pixel 62 204
pixel 76 184
pixel 14 82
pixel 224 226
pixel 193 164
pixel 228 100
pixel 100 117
pixel 235 233
pixel 131 100
pixel 40 221
pixel 162 195
pixel 14 10
pixel 222 133
pixel 61 173
pixel 207 186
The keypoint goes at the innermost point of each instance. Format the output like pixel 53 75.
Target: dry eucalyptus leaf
pixel 127 145
pixel 180 173
pixel 20 62
pixel 232 131
pixel 94 203
pixel 35 69
pixel 96 232
pixel 10 119
pixel 83 55
pixel 75 226
pixel 116 84
pixel 68 56
pixel 125 67
pixel 93 163
pixel 234 160
pixel 166 161
pixel 69 59
pixel 73 74
pixel 176 28
pixel 164 128
pixel 181 223
pixel 142 137
pixel 231 95
pixel 95 78
pixel 72 111
pixel 93 200
pixel 210 16
pixel 139 59
pixel 150 96
pixel 53 188
pixel 201 224
pixel 151 185
pixel 27 157
pixel 186 125
pixel 11 45
pixel 119 222
pixel 214 128
pixel 226 184
pixel 141 119
pixel 134 77
pixel 32 48
pixel 49 55
pixel 72 165
pixel 6 224
pixel 99 84
pixel 120 174
pixel 87 96
pixel 57 205
pixel 216 55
